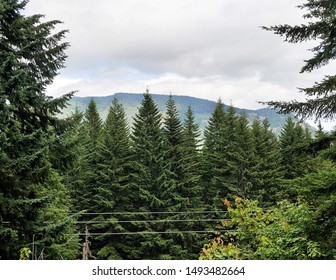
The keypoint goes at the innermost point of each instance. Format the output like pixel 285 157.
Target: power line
pixel 151 221
pixel 154 232
pixel 140 221
pixel 139 213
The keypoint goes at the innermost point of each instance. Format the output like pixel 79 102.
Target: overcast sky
pixel 207 49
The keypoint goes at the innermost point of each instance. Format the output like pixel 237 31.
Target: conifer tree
pixel 31 55
pixel 191 158
pixel 191 164
pixel 70 170
pixel 90 134
pixel 212 157
pixel 240 161
pixel 153 189
pixel 172 129
pixel 319 134
pixel 225 172
pixel 321 26
pixel 113 190
pixel 293 163
pixel 186 197
pixel 266 172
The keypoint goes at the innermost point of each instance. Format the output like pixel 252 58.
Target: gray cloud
pixel 192 47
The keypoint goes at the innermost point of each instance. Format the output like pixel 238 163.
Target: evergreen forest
pixel 156 187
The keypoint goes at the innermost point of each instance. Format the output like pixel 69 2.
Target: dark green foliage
pixel 31 55
pixel 319 189
pixel 112 187
pixel 240 153
pixel 321 27
pixel 265 172
pixel 92 123
pixel 293 163
pixel 191 160
pixel 173 135
pixel 90 135
pixel 154 191
pixel 182 158
pixel 212 158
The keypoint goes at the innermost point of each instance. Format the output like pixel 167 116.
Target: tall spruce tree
pixel 191 164
pixel 30 189
pixel 181 148
pixel 191 159
pixel 225 173
pixel 266 173
pixel 152 184
pixel 212 158
pixel 240 159
pixel 90 134
pixel 293 163
pixel 113 192
pixel 321 27
pixel 172 129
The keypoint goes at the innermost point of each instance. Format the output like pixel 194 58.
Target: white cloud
pixel 192 47
pixel 244 92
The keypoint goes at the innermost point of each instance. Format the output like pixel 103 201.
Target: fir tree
pixel 31 55
pixel 212 157
pixel 153 189
pixel 293 163
pixel 320 134
pixel 191 164
pixel 266 172
pixel 90 134
pixel 241 158
pixel 186 196
pixel 172 129
pixel 191 157
pixel 112 185
pixel 92 123
pixel 320 97
pixel 226 176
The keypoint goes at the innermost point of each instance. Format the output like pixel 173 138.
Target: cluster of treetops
pixel 158 189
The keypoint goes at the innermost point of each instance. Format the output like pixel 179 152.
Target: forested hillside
pixel 84 187
pixel 202 108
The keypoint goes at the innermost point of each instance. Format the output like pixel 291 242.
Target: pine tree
pixel 241 158
pixel 212 158
pixel 320 134
pixel 321 26
pixel 266 172
pixel 73 146
pixel 153 188
pixel 92 123
pixel 113 181
pixel 191 164
pixel 186 196
pixel 31 55
pixel 172 129
pixel 191 158
pixel 90 134
pixel 293 163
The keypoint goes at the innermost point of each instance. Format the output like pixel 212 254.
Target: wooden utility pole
pixel 86 245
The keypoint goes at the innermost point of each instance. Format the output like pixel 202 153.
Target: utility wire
pixel 154 232
pixel 139 213
pixel 151 221
pixel 139 221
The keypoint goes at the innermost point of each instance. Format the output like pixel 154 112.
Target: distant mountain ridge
pixel 202 108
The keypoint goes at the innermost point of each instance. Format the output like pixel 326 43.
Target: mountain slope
pixel 202 108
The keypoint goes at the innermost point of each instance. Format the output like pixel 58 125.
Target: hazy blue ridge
pixel 202 108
